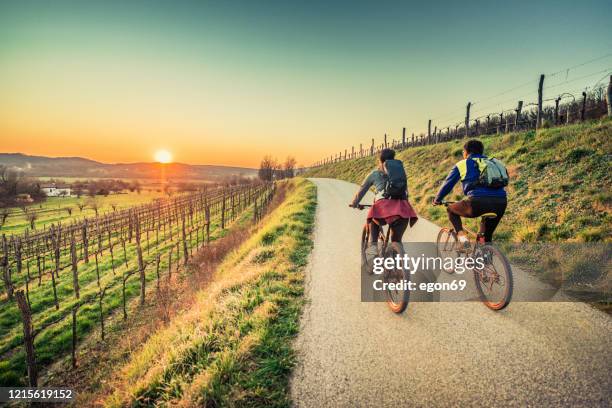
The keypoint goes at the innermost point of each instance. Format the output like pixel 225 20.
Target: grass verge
pixel 233 347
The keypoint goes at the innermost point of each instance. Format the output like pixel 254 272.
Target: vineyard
pixel 63 282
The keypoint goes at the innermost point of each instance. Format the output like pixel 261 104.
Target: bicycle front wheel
pixel 397 298
pixel 494 281
pixel 446 246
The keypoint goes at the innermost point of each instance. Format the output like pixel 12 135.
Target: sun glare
pixel 163 156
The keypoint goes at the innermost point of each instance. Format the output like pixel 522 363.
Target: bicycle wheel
pixel 446 244
pixel 397 299
pixel 494 281
pixel 366 267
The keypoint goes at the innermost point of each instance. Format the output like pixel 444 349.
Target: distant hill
pixel 41 166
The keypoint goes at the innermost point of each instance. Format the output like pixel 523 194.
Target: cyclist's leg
pixel 457 210
pixel 398 228
pixel 374 231
pixel 481 205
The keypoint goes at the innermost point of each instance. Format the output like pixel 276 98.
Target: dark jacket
pixel 468 172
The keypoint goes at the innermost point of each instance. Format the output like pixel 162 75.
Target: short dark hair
pixel 474 147
pixel 387 154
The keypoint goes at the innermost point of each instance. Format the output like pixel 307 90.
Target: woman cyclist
pixel 396 212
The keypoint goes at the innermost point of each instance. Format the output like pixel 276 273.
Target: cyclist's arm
pixel 452 179
pixel 365 186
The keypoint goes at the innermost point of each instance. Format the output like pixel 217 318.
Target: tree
pixel 94 204
pixel 4 213
pixel 32 216
pixel 267 168
pixel 289 167
pixel 68 210
pixel 81 205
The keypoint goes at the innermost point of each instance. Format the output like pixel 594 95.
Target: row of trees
pixel 271 169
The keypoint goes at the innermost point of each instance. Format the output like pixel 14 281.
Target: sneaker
pixel 371 252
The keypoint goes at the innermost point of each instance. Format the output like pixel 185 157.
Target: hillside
pixel 41 166
pixel 560 180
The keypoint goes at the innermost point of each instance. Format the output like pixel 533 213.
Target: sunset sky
pixel 230 81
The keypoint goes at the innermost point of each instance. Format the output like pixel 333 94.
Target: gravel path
pixel 435 354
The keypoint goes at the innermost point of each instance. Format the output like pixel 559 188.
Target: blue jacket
pixel 468 172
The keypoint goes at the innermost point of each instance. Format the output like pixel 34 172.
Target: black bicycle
pixel 397 278
pixel 494 280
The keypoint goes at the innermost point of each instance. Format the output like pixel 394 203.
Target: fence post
pixel 488 121
pixel 412 140
pixel 429 129
pixel 467 119
pixel 403 138
pixel 518 115
pixel 501 119
pixel 372 148
pixel 567 119
pixel 582 111
pixel 609 97
pixel 557 110
pixel 28 337
pixel 539 115
pixel 385 140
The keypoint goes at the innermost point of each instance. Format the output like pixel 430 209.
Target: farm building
pixel 56 190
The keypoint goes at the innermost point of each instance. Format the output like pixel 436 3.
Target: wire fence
pixel 530 111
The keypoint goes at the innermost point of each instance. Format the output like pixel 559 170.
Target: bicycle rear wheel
pixel 446 244
pixel 366 267
pixel 494 281
pixel 397 299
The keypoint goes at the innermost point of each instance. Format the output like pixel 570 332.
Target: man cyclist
pixel 480 198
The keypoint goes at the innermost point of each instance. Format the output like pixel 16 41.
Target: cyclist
pixel 393 210
pixel 480 198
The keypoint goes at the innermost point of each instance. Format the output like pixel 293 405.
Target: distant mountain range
pixel 41 166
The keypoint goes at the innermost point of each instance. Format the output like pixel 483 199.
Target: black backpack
pixel 396 185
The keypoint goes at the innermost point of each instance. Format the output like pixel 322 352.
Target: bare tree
pixel 289 167
pixel 68 210
pixel 267 167
pixel 4 213
pixel 94 204
pixel 32 216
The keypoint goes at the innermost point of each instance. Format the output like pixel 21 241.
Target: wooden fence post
pixel 6 272
pixel 467 119
pixel 517 117
pixel 609 97
pixel 583 110
pixel 539 113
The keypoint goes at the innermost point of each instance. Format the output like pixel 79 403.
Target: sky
pixel 227 82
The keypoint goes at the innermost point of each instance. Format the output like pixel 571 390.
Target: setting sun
pixel 163 156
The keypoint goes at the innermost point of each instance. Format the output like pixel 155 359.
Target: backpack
pixel 494 174
pixel 396 184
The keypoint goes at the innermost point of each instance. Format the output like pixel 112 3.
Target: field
pixel 233 348
pixel 56 209
pixel 120 255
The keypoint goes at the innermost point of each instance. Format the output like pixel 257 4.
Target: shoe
pixel 371 252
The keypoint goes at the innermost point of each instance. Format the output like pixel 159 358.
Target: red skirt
pixel 387 211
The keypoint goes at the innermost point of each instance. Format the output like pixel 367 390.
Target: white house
pixel 56 190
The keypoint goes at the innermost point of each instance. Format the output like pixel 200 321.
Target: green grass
pixel 233 348
pixel 53 209
pixel 560 181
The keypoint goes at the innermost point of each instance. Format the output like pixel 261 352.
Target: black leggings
pixel 397 230
pixel 474 207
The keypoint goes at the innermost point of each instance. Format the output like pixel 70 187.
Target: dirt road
pixel 436 354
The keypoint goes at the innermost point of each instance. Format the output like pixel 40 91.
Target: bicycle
pixel 397 300
pixel 496 274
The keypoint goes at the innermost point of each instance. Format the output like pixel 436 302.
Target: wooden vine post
pixel 28 337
